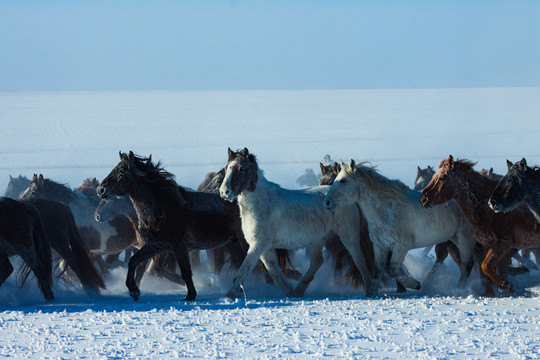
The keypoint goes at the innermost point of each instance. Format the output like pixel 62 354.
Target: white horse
pixel 273 217
pixel 397 221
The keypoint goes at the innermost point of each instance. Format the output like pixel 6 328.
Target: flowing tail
pixel 88 274
pixel 42 248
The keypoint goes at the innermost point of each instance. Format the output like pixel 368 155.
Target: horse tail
pixel 285 262
pixel 90 276
pixel 42 247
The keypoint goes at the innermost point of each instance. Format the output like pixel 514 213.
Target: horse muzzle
pixel 102 192
pixel 227 194
pixel 329 204
pixel 497 208
pixel 424 200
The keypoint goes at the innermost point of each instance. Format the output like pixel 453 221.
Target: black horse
pixel 521 185
pixel 22 233
pixel 170 218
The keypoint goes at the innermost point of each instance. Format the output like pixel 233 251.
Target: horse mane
pixel 393 189
pixel 58 190
pixel 157 177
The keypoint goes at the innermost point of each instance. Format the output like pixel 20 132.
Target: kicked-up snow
pixel 71 136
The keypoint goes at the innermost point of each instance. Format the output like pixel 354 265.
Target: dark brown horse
pixel 99 238
pixel 500 234
pixel 64 237
pixel 170 218
pixel 22 233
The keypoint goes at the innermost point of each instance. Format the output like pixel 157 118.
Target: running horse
pixel 274 217
pixel 498 233
pixel 22 233
pixel 520 185
pixel 170 218
pixel 397 222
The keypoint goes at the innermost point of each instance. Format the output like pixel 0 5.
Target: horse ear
pixel 10 178
pixel 451 161
pixel 40 178
pixel 430 168
pixel 335 169
pixel 418 169
pixel 352 164
pixel 230 153
pixel 149 160
pixel 322 168
pixel 34 178
pixel 523 163
pixel 509 164
pixel 121 155
pixel 131 155
pixel 245 152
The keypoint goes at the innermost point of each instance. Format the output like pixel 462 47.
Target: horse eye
pixel 343 181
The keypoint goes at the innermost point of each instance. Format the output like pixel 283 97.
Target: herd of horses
pixel 365 221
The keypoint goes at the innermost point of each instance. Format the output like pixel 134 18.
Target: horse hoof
pixel 507 286
pixel 135 295
pixel 189 298
pixel 418 286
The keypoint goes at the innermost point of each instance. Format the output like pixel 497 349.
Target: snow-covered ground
pixel 71 136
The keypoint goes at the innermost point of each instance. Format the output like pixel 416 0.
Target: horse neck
pixel 148 203
pixel 532 198
pixel 247 198
pixel 472 194
pixel 372 203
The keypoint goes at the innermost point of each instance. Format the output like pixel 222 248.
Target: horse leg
pixel 141 269
pixel 315 261
pixel 396 270
pixel 358 258
pixel 5 268
pixel 536 252
pixel 463 244
pixel 144 254
pixel 195 258
pixel 271 262
pixel 252 258
pixel 441 251
pixel 182 257
pixel 67 255
pixel 379 261
pixel 219 259
pixel 161 264
pixel 488 267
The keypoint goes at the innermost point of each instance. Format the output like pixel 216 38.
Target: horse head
pixel 240 174
pixel 511 189
pixel 443 185
pixel 343 190
pixel 120 179
pixel 423 176
pixel 329 173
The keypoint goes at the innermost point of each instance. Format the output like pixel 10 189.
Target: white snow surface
pixel 71 136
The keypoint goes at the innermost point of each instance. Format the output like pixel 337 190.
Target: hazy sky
pixel 294 44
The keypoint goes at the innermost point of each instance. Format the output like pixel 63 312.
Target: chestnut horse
pixel 22 233
pixel 498 233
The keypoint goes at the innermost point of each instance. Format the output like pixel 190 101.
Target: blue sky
pixel 214 45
